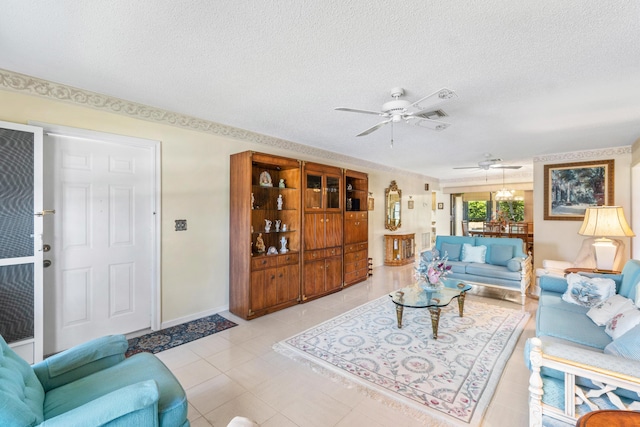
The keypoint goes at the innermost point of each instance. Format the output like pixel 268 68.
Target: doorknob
pixel 45 212
pixel 46 263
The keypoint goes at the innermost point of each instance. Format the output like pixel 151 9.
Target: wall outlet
pixel 181 225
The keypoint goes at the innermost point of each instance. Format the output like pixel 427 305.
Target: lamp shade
pixel 605 221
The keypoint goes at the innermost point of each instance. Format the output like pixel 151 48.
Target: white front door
pixel 103 238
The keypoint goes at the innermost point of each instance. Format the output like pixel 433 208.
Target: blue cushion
pixel 457 240
pixel 514 264
pixel 21 394
pixel 628 345
pixel 571 325
pixel 458 267
pixel 473 253
pixel 492 271
pixel 172 404
pixel 630 277
pixel 427 256
pixel 452 250
pixel 501 254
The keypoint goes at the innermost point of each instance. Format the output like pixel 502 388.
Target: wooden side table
pixel 609 418
pixel 589 270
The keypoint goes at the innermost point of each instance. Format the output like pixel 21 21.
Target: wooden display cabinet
pixel 356 227
pixel 323 230
pixel 399 249
pixel 261 282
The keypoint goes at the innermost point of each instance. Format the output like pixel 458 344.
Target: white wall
pixel 195 187
pixel 560 240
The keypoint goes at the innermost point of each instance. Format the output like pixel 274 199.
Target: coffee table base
pixel 435 314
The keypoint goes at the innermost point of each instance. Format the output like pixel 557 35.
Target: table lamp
pixel 605 221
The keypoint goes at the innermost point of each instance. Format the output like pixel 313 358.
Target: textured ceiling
pixel 532 77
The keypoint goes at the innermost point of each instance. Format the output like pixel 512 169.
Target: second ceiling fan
pixel 420 113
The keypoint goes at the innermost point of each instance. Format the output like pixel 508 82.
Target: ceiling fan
pixel 489 163
pixel 424 113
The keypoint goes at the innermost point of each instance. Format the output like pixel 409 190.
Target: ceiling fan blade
pixel 373 128
pixel 354 110
pixel 505 167
pixel 437 97
pixel 427 123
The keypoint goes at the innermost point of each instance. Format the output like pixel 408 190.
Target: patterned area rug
pixel 174 336
pixel 448 381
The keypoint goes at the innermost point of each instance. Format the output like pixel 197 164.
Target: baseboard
pixel 194 316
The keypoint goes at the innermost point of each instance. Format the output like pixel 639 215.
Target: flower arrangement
pixel 501 217
pixel 435 270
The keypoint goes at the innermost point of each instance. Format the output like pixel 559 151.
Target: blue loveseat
pixel 505 265
pixel 576 366
pixel 90 385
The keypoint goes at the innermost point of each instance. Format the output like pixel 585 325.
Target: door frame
pixel 31 349
pixel 154 146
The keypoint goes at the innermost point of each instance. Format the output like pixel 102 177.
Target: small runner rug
pixel 174 336
pixel 448 381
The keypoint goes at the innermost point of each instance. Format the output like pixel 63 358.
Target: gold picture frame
pixel 570 188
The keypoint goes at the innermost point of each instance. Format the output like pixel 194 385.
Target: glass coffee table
pixel 416 297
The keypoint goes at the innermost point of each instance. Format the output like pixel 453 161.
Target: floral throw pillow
pixel 622 322
pixel 602 313
pixel 588 291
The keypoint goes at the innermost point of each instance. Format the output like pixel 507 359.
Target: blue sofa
pixel 505 265
pixel 573 371
pixel 90 385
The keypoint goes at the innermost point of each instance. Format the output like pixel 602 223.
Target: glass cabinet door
pixel 333 192
pixel 313 192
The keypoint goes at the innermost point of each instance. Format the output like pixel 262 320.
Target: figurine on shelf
pixel 283 245
pixel 253 201
pixel 284 227
pixel 280 202
pixel 265 179
pixel 278 224
pixel 260 247
pixel 281 184
pixel 267 225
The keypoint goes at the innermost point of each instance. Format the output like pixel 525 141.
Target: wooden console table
pixel 399 249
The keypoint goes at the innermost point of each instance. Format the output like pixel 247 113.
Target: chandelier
pixel 504 194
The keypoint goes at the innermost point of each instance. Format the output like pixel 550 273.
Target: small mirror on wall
pixel 393 207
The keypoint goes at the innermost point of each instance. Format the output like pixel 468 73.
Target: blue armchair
pixel 90 385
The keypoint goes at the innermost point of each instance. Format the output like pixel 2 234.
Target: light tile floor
pixel 236 372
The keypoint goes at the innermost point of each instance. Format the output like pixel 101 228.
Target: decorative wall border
pixel 573 156
pixel 21 83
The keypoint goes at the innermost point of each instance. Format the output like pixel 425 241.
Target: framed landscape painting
pixel 570 188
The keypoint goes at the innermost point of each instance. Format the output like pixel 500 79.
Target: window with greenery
pixel 513 208
pixel 477 211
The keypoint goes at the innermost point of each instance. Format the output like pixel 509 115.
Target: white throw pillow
pixel 602 313
pixel 473 253
pixel 622 322
pixel 588 291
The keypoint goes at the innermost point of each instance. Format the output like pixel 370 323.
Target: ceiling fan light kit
pixel 399 110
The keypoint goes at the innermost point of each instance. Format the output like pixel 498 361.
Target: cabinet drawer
pixel 353 266
pixel 333 251
pixel 311 255
pixel 355 256
pixel 355 247
pixel 263 262
pixel 355 275
pixel 288 259
pixel 356 215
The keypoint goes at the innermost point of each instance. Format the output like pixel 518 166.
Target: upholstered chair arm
pixel 133 405
pixel 553 284
pixel 80 361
